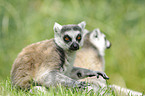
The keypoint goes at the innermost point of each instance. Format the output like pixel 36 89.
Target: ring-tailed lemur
pixel 91 56
pixel 50 62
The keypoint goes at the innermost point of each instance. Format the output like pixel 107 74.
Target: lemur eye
pixel 79 37
pixel 96 36
pixel 67 38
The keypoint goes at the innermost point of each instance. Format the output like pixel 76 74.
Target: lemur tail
pixel 124 91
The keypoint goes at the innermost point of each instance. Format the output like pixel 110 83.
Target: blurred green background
pixel 23 22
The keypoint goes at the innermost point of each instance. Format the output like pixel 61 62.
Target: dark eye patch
pixel 67 38
pixel 79 37
pixel 96 36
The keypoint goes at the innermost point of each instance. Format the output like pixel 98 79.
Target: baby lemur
pixel 50 62
pixel 91 55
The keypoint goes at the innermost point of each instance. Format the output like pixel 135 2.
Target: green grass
pixel 23 22
pixel 6 90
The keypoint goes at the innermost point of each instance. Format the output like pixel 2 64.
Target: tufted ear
pixel 57 28
pixel 97 32
pixel 82 25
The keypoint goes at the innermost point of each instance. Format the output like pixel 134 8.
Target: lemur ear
pixel 82 25
pixel 57 27
pixel 97 32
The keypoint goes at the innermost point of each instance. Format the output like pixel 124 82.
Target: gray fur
pixel 70 27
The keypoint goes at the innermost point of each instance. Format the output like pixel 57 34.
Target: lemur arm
pixel 54 78
pixel 80 73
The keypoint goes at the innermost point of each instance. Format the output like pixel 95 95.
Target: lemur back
pixel 31 62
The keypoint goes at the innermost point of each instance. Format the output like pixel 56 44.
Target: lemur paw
pixel 102 74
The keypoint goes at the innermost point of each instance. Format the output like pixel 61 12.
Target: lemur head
pixel 69 37
pixel 98 39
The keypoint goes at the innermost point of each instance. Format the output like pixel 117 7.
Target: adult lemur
pixel 50 62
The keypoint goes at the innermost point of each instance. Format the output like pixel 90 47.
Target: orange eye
pixel 79 38
pixel 66 38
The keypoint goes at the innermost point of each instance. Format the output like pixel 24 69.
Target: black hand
pixel 102 74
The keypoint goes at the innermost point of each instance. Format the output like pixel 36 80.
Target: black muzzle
pixel 74 46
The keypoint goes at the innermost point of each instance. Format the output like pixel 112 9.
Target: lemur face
pixel 69 37
pixel 99 40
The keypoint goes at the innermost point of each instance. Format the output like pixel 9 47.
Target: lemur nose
pixel 74 46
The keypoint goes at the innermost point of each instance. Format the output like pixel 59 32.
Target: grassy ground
pixel 6 90
pixel 23 22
